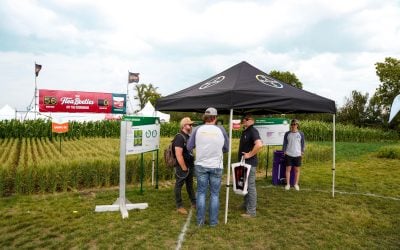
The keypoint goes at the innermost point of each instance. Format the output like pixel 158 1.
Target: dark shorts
pixel 293 161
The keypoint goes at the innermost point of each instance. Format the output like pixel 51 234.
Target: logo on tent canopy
pixel 212 82
pixel 269 81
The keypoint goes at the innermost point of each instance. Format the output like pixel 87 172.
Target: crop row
pixel 314 131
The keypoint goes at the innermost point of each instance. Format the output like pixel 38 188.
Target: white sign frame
pixel 127 146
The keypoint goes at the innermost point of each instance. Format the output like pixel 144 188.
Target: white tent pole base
pixel 121 205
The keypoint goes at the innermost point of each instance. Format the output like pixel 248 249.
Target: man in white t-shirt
pixel 210 141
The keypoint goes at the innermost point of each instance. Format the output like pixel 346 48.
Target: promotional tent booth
pixel 241 89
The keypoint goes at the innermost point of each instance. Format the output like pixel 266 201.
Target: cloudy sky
pixel 90 45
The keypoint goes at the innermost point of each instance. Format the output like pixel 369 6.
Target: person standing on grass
pixel 210 141
pixel 185 166
pixel 250 144
pixel 293 148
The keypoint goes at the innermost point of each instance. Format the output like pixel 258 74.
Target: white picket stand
pixel 122 204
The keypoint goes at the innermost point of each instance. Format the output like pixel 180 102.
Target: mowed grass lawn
pixel 364 214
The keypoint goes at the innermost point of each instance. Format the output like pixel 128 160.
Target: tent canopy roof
pixel 245 88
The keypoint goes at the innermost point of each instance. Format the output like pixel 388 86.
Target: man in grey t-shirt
pixel 210 142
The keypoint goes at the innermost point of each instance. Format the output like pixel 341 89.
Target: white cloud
pixel 176 43
pixel 380 27
pixel 28 18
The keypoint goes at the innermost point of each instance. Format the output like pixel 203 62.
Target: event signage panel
pixel 142 134
pixel 272 130
pixel 81 102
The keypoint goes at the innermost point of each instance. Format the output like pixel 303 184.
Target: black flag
pixel 133 77
pixel 38 67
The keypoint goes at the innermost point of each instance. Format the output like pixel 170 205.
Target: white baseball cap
pixel 211 112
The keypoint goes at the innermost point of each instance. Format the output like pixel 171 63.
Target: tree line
pixel 358 109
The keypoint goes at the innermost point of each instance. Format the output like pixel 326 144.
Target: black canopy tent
pixel 245 88
pixel 241 89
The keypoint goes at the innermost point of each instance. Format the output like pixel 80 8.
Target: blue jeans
pixel 250 199
pixel 213 177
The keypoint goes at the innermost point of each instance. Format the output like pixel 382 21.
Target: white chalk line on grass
pixel 344 192
pixel 181 237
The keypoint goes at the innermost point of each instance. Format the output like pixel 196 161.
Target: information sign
pixel 142 134
pixel 272 130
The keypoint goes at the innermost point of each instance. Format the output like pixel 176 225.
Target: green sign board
pixel 272 130
pixel 142 134
pixel 271 121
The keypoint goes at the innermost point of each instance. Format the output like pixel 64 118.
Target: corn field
pixel 34 160
pixel 34 165
pixel 40 165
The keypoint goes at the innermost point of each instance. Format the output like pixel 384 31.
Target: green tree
pixel 375 113
pixel 354 111
pixel 287 77
pixel 291 78
pixel 389 76
pixel 145 93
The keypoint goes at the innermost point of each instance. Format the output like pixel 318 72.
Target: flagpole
pixel 128 99
pixel 132 77
pixel 127 94
pixel 35 95
pixel 38 67
pixel 34 106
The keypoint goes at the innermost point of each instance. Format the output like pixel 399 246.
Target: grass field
pixel 364 214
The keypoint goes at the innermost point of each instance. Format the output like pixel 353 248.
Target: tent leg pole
pixel 229 167
pixel 333 156
pixel 266 170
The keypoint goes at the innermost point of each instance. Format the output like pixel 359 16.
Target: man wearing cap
pixel 293 147
pixel 185 167
pixel 210 141
pixel 250 144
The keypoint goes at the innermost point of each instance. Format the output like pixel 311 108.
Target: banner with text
pixel 272 130
pixel 142 134
pixel 81 102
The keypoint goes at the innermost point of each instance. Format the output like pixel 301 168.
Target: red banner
pixel 59 127
pixel 81 102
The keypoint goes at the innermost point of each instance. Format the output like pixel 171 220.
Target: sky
pixel 90 45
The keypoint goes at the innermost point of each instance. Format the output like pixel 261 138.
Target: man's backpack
pixel 169 154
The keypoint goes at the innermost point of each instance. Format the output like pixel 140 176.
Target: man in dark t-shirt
pixel 250 144
pixel 185 166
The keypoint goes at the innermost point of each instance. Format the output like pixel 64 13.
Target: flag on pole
pixel 38 67
pixel 133 77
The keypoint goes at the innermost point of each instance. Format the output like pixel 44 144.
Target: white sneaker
pixel 297 187
pixel 287 187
